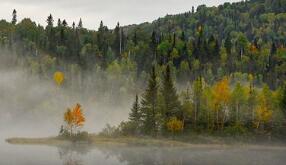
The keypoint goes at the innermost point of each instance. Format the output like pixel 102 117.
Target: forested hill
pixel 230 39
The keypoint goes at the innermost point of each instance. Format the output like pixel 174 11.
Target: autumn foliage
pixel 74 119
pixel 59 78
pixel 174 125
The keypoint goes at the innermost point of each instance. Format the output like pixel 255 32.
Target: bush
pixel 109 131
pixel 236 130
pixel 79 136
pixel 127 128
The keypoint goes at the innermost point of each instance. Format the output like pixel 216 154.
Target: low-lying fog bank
pixel 32 107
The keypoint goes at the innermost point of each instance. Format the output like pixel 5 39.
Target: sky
pixel 93 11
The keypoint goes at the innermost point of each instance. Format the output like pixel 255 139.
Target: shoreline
pixel 94 141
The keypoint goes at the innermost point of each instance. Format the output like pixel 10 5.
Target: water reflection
pixel 73 155
pixel 123 155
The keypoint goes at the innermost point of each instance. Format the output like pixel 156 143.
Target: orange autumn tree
pixel 74 118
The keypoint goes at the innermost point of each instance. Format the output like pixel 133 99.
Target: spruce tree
pixel 59 23
pixel 80 24
pixel 135 115
pixel 14 17
pixel 283 100
pixel 65 24
pixel 73 25
pixel 171 106
pixel 135 40
pixel 117 40
pixel 50 20
pixel 149 106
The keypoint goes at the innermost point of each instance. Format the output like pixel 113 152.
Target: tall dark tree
pixel 50 20
pixel 14 17
pixel 65 24
pixel 228 45
pixel 153 45
pixel 59 24
pixel 117 41
pixel 174 40
pixel 171 106
pixel 283 100
pixel 149 106
pixel 73 25
pixel 80 23
pixel 135 114
pixel 135 39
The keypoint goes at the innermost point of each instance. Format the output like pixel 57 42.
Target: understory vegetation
pixel 227 107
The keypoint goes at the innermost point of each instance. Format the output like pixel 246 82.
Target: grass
pixel 192 141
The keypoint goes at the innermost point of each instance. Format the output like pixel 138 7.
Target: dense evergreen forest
pixel 228 62
pixel 245 37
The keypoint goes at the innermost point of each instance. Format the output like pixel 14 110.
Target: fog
pixel 31 106
pixel 34 107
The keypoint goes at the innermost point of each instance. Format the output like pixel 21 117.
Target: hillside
pixel 212 42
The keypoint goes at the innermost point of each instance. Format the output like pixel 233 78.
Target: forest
pixel 208 70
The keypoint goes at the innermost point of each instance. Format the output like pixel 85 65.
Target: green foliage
pixel 150 106
pixel 283 99
pixel 171 106
pixel 236 130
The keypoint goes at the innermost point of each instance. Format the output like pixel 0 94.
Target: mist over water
pixel 33 107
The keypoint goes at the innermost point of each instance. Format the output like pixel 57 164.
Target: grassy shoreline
pixel 95 140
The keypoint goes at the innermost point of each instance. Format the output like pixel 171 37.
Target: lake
pixel 122 155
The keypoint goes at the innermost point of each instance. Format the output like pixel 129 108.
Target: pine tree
pixel 80 24
pixel 59 23
pixel 135 115
pixel 50 20
pixel 135 40
pixel 73 25
pixel 149 106
pixel 117 40
pixel 65 23
pixel 283 100
pixel 153 45
pixel 14 17
pixel 228 45
pixel 171 106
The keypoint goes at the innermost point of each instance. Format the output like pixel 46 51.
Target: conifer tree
pixel 73 25
pixel 135 40
pixel 283 100
pixel 80 24
pixel 65 23
pixel 14 17
pixel 171 106
pixel 59 23
pixel 117 40
pixel 149 106
pixel 50 20
pixel 135 115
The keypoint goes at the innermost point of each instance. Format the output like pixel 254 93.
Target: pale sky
pixel 93 11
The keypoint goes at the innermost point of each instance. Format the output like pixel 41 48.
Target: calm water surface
pixel 84 155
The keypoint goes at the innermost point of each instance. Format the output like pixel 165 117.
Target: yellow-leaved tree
pixel 264 109
pixel 175 125
pixel 74 118
pixel 221 98
pixel 59 78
